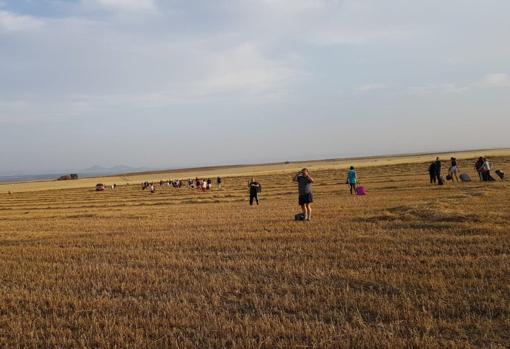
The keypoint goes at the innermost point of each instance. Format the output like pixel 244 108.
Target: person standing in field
pixel 304 181
pixel 486 171
pixel 254 188
pixel 218 182
pixel 432 172
pixel 437 165
pixel 352 180
pixel 478 167
pixel 454 169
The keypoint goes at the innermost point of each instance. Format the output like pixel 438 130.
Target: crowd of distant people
pixel 202 184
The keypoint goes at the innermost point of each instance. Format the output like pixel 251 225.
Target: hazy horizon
pixel 172 84
pixel 95 170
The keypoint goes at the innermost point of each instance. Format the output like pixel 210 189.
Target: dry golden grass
pixel 409 265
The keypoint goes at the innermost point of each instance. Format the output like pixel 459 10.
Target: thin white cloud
pixel 244 68
pixel 496 80
pixel 122 5
pixel 348 36
pixel 145 74
pixel 294 6
pixel 493 80
pixel 11 22
pixel 322 22
pixel 441 88
pixel 371 87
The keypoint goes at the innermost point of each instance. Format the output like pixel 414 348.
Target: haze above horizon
pixel 161 84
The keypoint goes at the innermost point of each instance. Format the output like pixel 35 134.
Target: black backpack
pixel 299 217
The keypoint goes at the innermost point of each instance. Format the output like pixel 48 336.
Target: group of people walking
pixel 204 184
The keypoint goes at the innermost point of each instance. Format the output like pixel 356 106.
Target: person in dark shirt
pixel 218 182
pixel 478 167
pixel 254 188
pixel 432 173
pixel 304 181
pixel 438 170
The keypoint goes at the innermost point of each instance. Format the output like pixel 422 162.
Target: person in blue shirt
pixel 352 180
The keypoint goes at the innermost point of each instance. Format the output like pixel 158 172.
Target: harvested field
pixel 244 170
pixel 409 265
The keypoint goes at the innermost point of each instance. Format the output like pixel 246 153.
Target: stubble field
pixel 408 265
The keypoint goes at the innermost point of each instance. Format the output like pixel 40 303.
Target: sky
pixel 169 83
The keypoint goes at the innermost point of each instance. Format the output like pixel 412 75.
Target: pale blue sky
pixel 181 83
